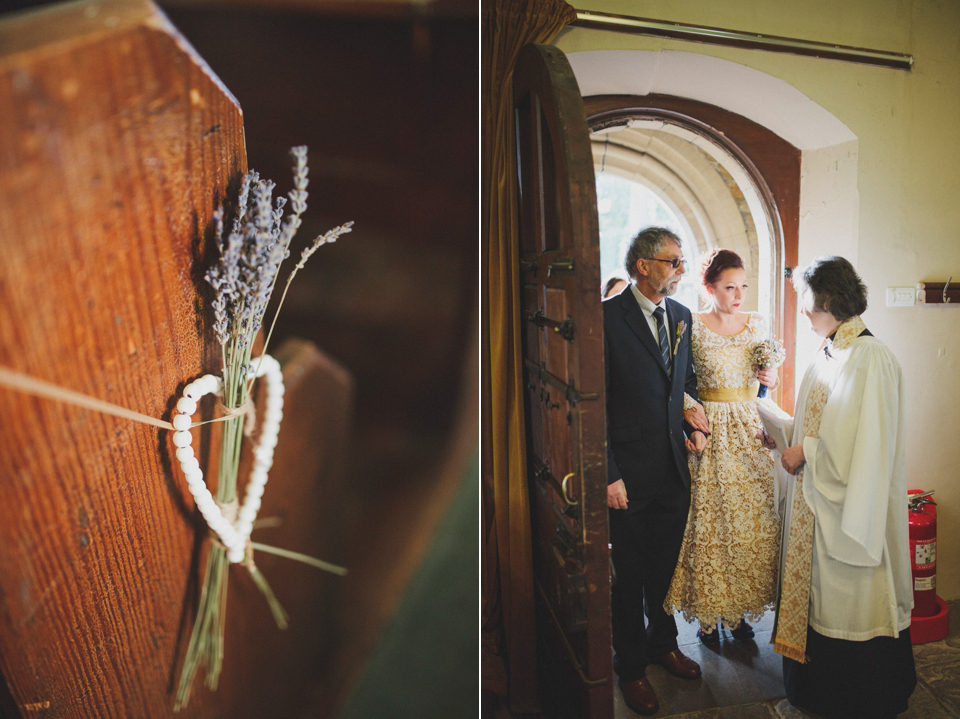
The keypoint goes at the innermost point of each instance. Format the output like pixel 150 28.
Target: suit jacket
pixel 645 426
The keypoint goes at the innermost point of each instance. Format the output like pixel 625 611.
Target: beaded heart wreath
pixel 236 534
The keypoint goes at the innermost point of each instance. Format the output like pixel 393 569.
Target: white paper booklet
pixel 778 426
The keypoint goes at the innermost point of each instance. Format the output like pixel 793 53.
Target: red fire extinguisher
pixel 923 552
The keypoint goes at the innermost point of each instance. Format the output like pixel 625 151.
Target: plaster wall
pixel 901 173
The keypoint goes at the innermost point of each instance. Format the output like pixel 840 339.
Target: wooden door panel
pixel 558 435
pixel 526 107
pixel 558 347
pixel 552 226
pixel 563 366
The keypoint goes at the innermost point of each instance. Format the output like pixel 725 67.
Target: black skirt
pixel 852 680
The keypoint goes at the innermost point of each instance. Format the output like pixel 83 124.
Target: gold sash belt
pixel 724 394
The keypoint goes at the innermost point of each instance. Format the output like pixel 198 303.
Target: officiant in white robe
pixel 843 613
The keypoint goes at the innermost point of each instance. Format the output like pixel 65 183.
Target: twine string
pixel 230 509
pixel 26 384
pixel 30 385
pixel 247 409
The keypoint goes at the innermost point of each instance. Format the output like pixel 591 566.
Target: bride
pixel 728 563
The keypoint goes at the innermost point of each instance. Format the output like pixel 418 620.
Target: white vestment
pixel 855 485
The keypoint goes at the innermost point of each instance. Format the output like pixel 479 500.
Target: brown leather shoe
pixel 640 697
pixel 678 664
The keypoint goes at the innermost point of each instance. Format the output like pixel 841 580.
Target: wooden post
pixel 117 143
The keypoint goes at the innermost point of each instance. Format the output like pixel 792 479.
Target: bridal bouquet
pixel 768 354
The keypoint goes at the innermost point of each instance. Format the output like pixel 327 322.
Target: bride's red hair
pixel 716 262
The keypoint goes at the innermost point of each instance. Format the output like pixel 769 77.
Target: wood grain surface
pixel 117 143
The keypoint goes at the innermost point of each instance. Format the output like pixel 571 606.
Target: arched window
pixel 656 173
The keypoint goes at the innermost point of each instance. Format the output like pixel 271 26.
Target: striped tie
pixel 664 343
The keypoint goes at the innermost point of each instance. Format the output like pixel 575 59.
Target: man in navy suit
pixel 649 366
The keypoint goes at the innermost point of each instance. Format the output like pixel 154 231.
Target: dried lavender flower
pixel 251 255
pixel 243 281
pixel 324 239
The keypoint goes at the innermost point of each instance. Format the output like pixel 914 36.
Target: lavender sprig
pixel 324 239
pixel 243 282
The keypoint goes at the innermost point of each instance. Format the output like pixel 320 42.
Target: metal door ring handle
pixel 563 486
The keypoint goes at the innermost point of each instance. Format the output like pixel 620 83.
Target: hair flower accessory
pixel 768 354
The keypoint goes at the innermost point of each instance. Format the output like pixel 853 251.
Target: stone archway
pixel 828 199
pixel 697 185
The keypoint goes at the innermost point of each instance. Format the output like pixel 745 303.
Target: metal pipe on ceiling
pixel 736 38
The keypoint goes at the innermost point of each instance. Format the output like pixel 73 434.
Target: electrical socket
pixel 901 297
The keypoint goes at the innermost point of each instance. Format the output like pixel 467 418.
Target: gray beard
pixel 667 290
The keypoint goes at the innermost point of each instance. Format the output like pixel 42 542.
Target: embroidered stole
pixel 790 633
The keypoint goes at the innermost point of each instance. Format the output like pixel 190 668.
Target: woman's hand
pixel 793 458
pixel 768 377
pixel 766 439
pixel 696 443
pixel 697 418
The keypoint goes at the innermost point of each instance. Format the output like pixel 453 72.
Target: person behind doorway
pixel 648 367
pixel 728 561
pixel 843 620
pixel 614 285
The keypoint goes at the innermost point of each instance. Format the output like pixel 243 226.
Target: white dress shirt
pixel 648 307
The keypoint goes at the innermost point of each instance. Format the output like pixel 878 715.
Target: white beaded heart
pixel 234 535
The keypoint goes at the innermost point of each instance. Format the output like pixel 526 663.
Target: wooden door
pixel 563 367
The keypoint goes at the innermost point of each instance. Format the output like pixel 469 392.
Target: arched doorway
pixel 807 157
pixel 735 183
pixel 653 171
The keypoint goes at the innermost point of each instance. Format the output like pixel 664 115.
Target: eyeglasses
pixel 674 263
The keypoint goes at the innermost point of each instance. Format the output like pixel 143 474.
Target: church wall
pixel 907 159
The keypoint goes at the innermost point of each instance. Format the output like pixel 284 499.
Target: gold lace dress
pixel 730 553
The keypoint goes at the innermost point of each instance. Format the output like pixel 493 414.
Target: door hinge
pixel 572 395
pixel 564 329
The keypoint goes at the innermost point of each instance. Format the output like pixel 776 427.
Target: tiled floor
pixel 739 678
pixel 743 680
